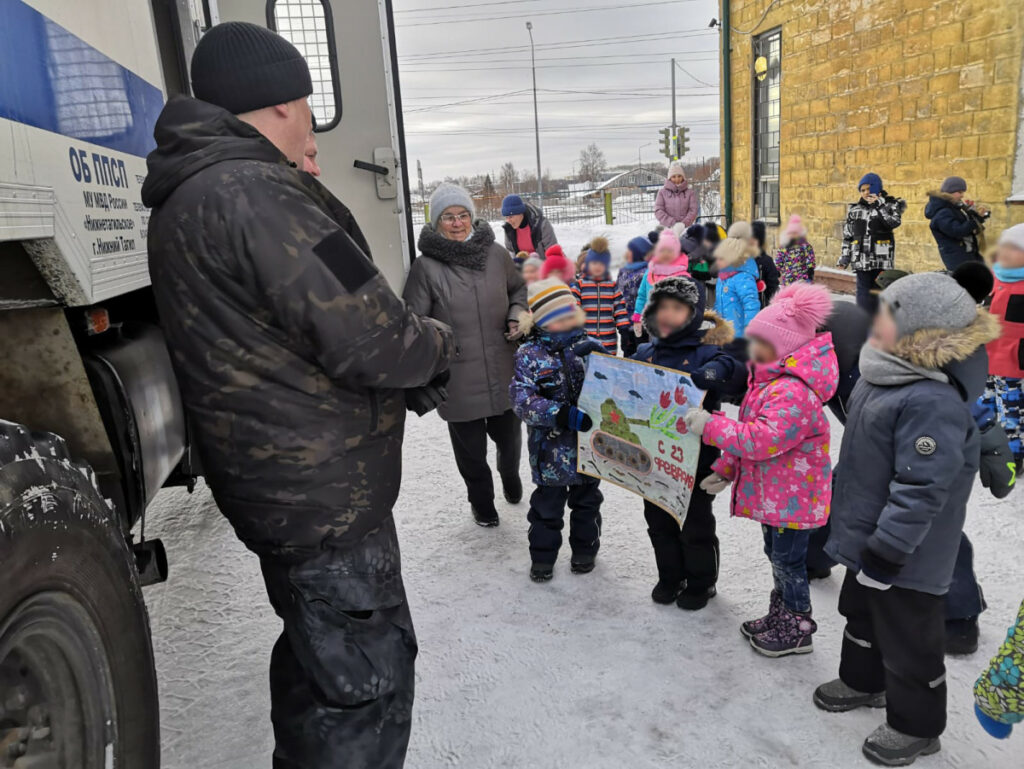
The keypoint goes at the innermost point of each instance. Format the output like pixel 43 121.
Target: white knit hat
pixel 1013 236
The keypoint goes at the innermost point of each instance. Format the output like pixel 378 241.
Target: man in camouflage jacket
pixel 292 353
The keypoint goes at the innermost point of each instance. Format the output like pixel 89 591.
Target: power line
pixel 534 14
pixel 468 5
pixel 652 55
pixel 552 66
pixel 565 44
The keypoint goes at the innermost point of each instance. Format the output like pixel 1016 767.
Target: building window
pixel 309 26
pixel 767 81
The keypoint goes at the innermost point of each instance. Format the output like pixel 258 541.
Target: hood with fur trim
pixel 937 201
pixel 938 348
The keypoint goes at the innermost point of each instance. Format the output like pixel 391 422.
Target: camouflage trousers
pixel 341 674
pixel 1004 396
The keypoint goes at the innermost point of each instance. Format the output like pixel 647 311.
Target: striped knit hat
pixel 550 299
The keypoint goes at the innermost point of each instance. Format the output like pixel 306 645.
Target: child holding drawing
pixel 688 339
pixel 777 454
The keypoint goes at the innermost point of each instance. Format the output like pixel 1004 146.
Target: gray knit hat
pixel 446 196
pixel 929 300
pixel 953 184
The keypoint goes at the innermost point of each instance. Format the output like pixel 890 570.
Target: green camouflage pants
pixel 341 674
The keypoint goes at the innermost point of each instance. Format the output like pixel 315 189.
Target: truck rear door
pixel 356 102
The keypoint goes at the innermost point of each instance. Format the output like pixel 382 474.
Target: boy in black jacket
pixel 686 338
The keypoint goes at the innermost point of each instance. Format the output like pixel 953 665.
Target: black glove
pixel 878 568
pixel 998 473
pixel 584 347
pixel 423 400
pixel 571 418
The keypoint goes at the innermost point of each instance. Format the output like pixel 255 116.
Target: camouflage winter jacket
pixel 290 348
pixel 549 375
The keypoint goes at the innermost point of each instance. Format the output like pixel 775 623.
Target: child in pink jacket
pixel 776 454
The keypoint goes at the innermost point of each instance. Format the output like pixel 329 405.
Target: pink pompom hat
pixel 795 228
pixel 793 318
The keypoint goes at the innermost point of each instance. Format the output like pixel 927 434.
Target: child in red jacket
pixel 1005 392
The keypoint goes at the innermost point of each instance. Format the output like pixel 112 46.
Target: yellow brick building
pixel 822 91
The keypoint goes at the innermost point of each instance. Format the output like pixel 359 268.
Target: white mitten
pixel 715 484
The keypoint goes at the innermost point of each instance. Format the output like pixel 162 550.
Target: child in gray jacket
pixel 909 456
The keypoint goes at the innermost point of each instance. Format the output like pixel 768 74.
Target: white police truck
pixel 91 422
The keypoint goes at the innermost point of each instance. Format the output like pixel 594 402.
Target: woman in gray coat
pixel 468 281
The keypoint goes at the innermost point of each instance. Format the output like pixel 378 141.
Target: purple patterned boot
pixel 753 627
pixel 789 634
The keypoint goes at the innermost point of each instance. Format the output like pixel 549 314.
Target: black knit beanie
pixel 244 67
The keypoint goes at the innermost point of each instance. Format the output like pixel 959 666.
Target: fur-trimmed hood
pixel 472 253
pixel 938 348
pixel 938 200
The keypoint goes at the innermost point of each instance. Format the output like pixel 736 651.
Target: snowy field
pixel 584 672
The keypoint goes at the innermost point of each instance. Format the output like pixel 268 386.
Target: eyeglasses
pixel 450 219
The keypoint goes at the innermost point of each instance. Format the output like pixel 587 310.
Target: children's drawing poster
pixel 639 440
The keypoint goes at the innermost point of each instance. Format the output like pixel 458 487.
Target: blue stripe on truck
pixel 54 80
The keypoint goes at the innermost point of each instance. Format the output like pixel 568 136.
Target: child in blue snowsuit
pixel 686 338
pixel 546 384
pixel 737 297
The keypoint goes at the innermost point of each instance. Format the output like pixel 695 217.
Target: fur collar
pixel 720 332
pixel 936 348
pixel 947 197
pixel 471 254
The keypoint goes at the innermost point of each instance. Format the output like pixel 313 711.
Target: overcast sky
pixel 603 75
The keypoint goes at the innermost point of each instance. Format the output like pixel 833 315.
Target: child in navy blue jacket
pixel 546 384
pixel 687 338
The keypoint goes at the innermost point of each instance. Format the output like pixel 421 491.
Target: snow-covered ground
pixel 582 673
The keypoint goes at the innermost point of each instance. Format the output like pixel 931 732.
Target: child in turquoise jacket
pixel 737 297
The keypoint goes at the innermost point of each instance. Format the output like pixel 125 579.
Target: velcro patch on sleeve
pixel 345 260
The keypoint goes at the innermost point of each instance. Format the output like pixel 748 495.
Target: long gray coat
pixel 474 287
pixel 908 461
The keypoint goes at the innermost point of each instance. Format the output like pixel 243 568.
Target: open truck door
pixel 356 101
pixel 91 421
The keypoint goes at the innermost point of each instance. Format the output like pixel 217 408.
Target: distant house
pixel 638 178
pixel 914 90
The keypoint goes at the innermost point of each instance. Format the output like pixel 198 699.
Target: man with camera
pixel 956 223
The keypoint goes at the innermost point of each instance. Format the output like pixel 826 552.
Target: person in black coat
pixel 768 273
pixel 689 557
pixel 955 223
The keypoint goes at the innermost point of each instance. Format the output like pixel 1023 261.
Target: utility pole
pixel 674 125
pixel 536 119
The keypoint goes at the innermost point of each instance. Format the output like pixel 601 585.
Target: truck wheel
pixel 77 683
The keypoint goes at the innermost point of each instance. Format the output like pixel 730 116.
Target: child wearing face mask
pixel 776 455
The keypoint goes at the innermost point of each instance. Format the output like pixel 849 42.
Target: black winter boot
pixel 485 517
pixel 962 636
pixel 695 600
pixel 888 747
pixel 542 572
pixel 582 564
pixel 666 592
pixel 513 489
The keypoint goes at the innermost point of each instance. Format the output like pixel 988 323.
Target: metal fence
pixel 619 206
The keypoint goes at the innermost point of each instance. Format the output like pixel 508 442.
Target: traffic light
pixel 666 142
pixel 683 142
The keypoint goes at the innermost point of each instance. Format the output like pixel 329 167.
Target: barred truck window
pixel 309 26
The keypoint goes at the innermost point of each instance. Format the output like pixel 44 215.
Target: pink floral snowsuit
pixel 777 453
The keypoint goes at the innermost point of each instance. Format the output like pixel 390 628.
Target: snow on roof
pixel 638 177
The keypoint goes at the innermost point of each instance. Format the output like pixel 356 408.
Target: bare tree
pixel 508 178
pixel 592 163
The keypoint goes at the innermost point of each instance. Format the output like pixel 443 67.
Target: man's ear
pixel 282 110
